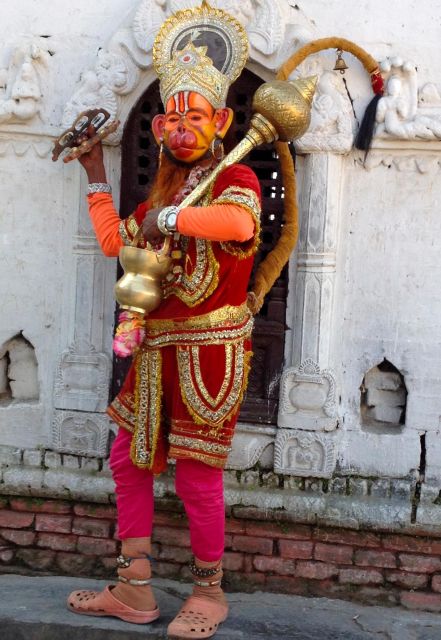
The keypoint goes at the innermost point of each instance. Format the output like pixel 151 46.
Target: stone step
pixel 33 608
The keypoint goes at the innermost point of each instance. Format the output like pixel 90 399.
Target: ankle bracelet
pixel 202 572
pixel 134 581
pixel 124 562
pixel 201 583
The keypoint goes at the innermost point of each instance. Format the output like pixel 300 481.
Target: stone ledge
pixel 340 502
pixel 34 607
pixel 62 483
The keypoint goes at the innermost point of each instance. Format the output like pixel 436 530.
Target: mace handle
pixel 260 131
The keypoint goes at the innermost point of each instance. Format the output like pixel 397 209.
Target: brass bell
pixel 340 64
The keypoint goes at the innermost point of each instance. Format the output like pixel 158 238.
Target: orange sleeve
pixel 106 222
pixel 218 222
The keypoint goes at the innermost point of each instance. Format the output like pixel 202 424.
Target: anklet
pixel 200 583
pixel 202 572
pixel 135 582
pixel 124 562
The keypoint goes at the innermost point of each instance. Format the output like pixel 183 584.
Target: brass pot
pixel 139 290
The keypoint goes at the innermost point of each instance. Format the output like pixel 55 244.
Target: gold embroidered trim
pixel 241 196
pixel 228 314
pixel 200 337
pixel 117 409
pixel 193 288
pixel 128 229
pixel 199 445
pixel 246 198
pixel 179 454
pixel 214 402
pixel 148 395
pixel 123 232
pixel 194 398
pixel 132 225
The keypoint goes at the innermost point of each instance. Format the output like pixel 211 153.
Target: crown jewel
pixel 201 49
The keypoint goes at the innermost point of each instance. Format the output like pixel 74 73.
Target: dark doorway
pixel 139 162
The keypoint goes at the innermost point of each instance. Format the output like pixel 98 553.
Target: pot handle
pixel 163 250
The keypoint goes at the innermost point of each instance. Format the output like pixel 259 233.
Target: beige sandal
pixel 104 603
pixel 199 617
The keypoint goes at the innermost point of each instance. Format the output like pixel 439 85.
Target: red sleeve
pixel 140 211
pixel 238 175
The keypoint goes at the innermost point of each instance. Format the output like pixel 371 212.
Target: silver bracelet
pixel 167 220
pixel 98 187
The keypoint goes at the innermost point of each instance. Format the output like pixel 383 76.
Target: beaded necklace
pixel 196 175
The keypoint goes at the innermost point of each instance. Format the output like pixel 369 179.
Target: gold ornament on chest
pixel 198 274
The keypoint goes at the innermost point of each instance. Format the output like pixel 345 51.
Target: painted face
pixel 189 125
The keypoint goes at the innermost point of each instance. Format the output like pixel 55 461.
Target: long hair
pixel 169 178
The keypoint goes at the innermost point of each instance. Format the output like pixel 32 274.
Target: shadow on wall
pixel 18 371
pixel 383 399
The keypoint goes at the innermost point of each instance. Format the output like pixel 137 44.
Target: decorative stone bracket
pixel 82 380
pixel 307 398
pixel 85 434
pixel 304 454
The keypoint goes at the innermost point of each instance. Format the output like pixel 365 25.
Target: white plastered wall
pixel 378 261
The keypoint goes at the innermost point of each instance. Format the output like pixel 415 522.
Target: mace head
pixel 287 105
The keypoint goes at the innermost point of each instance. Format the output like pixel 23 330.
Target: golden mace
pixel 282 111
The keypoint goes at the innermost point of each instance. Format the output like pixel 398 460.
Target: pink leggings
pixel 199 486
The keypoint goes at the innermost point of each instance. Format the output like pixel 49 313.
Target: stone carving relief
pixel 82 381
pixel 423 163
pixel 21 82
pixel 405 112
pixel 22 147
pixel 113 76
pixel 307 398
pixel 148 19
pixel 332 125
pixel 83 434
pixel 305 454
pixel 267 30
pixel 251 444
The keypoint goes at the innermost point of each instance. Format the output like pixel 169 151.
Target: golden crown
pixel 201 49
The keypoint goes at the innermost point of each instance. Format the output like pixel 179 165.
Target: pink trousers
pixel 199 486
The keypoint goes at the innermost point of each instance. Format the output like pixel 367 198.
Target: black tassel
pixel 365 133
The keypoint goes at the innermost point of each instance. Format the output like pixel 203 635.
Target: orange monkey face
pixel 190 125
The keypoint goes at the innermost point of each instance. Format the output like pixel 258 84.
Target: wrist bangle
pixel 167 219
pixel 98 187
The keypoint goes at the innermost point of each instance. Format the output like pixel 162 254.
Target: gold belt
pixel 221 325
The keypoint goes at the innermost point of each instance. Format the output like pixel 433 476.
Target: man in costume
pixel 182 395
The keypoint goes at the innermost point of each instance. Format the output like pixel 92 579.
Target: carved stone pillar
pixel 84 370
pixel 308 399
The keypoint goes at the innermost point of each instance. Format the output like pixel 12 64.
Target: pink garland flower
pixel 129 335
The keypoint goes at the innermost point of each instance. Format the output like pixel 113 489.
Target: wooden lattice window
pixel 139 163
